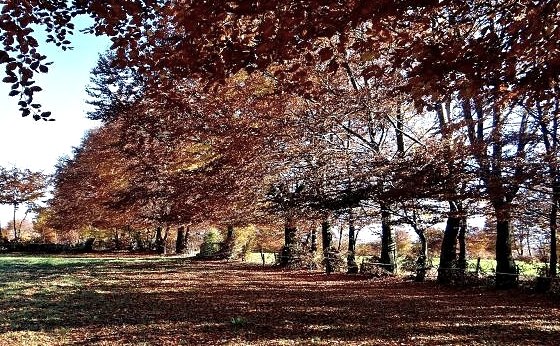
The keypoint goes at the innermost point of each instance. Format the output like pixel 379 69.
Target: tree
pixel 420 215
pixel 19 187
pixel 181 241
pixel 20 50
pixel 478 48
pixel 112 90
pixel 546 114
pixel 171 162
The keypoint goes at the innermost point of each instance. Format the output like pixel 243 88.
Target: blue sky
pixel 37 145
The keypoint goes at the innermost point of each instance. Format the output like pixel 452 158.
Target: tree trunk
pixel 528 242
pixel 262 256
pixel 180 243
pixel 423 244
pixel 340 233
pixel 550 141
pixel 229 234
pixel 16 238
pixel 448 254
pixel 117 240
pixel 313 240
pixel 306 242
pixel 462 260
pixel 421 265
pixel 506 273
pixel 519 246
pixel 388 246
pixel 227 249
pixel 351 258
pixel 187 237
pixel 328 251
pixel 160 242
pixel 553 231
pixel 288 250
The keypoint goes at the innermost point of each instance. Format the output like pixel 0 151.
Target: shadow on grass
pixel 176 301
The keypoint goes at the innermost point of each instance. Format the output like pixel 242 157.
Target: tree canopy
pixel 244 112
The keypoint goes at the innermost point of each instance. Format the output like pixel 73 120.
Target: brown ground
pixel 179 302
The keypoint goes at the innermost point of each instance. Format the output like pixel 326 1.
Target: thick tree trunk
pixel 462 260
pixel 506 271
pixel 388 246
pixel 351 258
pixel 117 240
pixel 227 249
pixel 448 254
pixel 288 250
pixel 229 234
pixel 180 243
pixel 138 243
pixel 328 251
pixel 423 244
pixel 160 241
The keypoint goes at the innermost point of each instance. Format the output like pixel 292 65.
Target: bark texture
pixel 328 250
pixel 180 244
pixel 388 246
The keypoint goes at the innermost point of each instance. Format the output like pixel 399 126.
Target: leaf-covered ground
pixel 174 301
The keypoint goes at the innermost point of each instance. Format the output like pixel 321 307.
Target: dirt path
pixel 179 302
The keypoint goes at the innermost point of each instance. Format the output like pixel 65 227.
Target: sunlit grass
pixel 7 262
pixel 31 338
pixel 255 258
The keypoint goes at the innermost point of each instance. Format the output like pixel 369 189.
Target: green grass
pixel 527 269
pixel 57 260
pixel 7 262
pixel 488 266
pixel 43 275
pixel 255 258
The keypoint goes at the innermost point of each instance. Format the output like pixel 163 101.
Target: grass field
pixel 176 301
pixel 255 258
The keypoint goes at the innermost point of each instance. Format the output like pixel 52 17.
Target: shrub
pixel 373 267
pixel 210 243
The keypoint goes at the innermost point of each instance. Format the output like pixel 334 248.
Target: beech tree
pixel 420 215
pixel 84 184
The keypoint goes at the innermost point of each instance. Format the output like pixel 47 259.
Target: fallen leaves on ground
pixel 178 302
